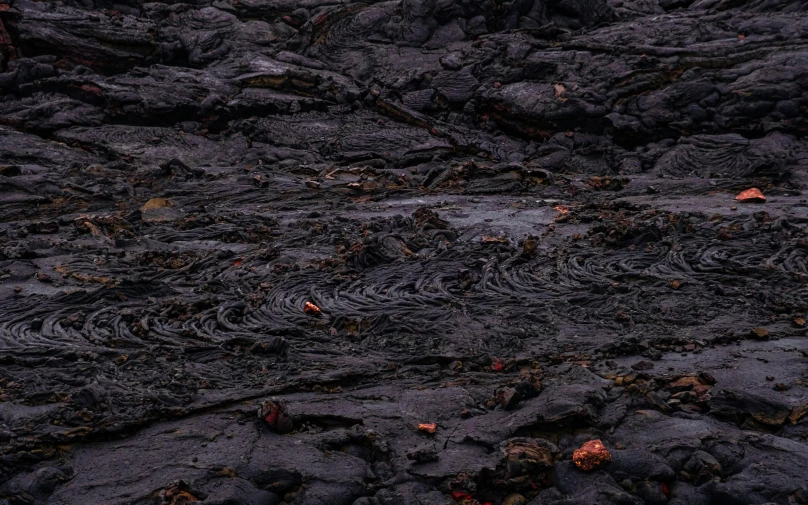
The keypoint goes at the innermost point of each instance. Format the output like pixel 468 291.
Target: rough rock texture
pixel 516 218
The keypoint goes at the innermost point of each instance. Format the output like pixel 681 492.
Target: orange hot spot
pixel 311 309
pixel 428 427
pixel 591 455
pixel 751 195
pixel 461 496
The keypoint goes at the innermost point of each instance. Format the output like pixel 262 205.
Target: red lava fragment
pixel 591 455
pixel 752 195
pixel 665 489
pixel 428 427
pixel 741 36
pixel 274 412
pixel 460 496
pixel 563 209
pixel 497 365
pixel 311 309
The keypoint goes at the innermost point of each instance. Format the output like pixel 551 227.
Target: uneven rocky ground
pixel 518 219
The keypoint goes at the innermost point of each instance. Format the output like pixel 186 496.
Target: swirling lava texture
pixel 514 219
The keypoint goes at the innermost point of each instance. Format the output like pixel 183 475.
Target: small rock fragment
pixel 682 396
pixel 156 203
pixel 683 384
pixel 707 379
pixel 591 455
pixel 494 240
pixel 507 398
pixel 759 333
pixel 514 499
pixel 160 210
pixel 643 365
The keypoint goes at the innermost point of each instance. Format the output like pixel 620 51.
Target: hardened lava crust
pixel 408 252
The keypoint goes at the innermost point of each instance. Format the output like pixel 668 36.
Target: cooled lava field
pixel 404 252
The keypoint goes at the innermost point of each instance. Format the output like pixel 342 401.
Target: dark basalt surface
pixel 518 219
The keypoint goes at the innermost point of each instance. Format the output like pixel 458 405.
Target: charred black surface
pixel 516 220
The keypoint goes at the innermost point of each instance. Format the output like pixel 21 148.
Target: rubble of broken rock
pixel 403 252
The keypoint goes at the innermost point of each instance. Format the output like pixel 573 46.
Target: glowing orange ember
pixel 751 195
pixel 591 455
pixel 563 209
pixel 428 427
pixel 311 309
